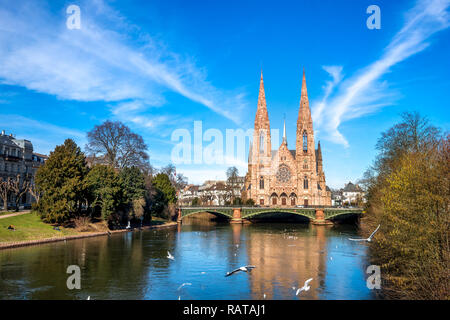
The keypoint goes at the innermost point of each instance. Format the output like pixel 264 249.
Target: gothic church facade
pixel 286 177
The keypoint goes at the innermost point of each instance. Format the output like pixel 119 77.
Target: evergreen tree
pixel 133 184
pixel 164 194
pixel 105 192
pixel 60 180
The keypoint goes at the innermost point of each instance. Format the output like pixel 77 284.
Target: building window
pixel 261 183
pixel 305 183
pixel 283 201
pixel 274 201
pixel 305 141
pixel 261 202
pixel 261 142
pixel 292 201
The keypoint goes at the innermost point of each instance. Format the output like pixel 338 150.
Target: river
pixel 134 265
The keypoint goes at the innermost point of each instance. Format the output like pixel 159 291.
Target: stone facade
pixel 286 177
pixel 17 158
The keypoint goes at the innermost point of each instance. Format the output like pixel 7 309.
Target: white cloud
pixel 363 93
pixel 101 61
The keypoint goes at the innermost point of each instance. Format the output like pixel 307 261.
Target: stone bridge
pixel 244 214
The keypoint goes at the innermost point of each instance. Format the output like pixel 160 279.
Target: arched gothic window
pixel 305 183
pixel 261 183
pixel 305 141
pixel 261 142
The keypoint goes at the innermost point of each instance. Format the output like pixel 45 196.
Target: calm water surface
pixel 135 266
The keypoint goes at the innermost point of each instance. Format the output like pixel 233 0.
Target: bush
pixel 408 192
pixel 138 208
pixel 82 223
pixel 250 202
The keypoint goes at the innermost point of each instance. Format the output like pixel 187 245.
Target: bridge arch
pixel 254 213
pixel 219 212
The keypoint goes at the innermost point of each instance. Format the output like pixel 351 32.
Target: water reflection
pixel 134 265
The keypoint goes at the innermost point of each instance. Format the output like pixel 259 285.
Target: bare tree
pixel 232 181
pixel 207 197
pixel 179 181
pixel 35 191
pixel 19 187
pixel 117 145
pixel 4 191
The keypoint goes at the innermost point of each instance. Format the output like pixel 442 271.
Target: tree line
pixel 408 189
pixel 113 181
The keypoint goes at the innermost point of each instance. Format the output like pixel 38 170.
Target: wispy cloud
pixel 108 59
pixel 363 93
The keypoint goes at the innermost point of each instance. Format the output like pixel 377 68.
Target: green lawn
pixel 29 227
pixel 2 213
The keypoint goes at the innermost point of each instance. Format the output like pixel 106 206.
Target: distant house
pixel 188 194
pixel 336 197
pixel 212 192
pixel 352 194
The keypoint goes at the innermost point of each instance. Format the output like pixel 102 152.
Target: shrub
pixel 82 223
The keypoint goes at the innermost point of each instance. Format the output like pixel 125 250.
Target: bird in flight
pixel 305 287
pixel 184 284
pixel 169 256
pixel 369 238
pixel 244 268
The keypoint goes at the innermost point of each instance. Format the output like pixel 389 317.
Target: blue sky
pixel 159 66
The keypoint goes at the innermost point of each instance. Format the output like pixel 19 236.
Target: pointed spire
pixel 304 113
pixel 261 111
pixel 304 91
pixel 261 95
pixel 319 153
pixel 284 129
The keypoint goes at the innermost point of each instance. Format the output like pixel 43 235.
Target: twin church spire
pixel 304 121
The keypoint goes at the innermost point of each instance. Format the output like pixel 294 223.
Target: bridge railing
pixel 270 207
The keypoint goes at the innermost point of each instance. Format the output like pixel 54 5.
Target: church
pixel 286 177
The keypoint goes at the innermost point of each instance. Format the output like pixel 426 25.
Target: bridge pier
pixel 320 218
pixel 179 218
pixel 237 216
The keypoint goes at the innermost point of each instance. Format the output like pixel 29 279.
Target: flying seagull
pixel 169 256
pixel 369 238
pixel 244 268
pixel 184 284
pixel 306 287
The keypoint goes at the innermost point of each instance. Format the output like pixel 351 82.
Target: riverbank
pixel 30 230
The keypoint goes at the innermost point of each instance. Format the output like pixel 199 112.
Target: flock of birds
pixel 249 268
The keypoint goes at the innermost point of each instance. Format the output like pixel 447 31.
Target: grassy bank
pixel 30 227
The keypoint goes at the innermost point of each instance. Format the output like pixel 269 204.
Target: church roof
pixel 275 153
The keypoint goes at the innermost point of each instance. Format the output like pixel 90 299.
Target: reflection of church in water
pixel 286 177
pixel 284 260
